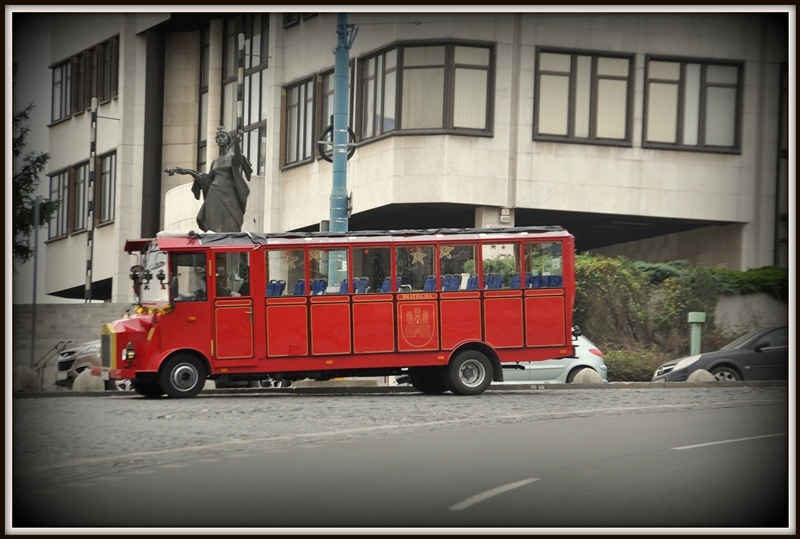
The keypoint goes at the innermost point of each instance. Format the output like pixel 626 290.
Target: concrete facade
pixel 730 198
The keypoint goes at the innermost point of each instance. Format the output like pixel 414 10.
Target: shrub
pixel 632 364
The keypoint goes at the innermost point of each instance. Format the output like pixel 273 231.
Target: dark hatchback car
pixel 761 355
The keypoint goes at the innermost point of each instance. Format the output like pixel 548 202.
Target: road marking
pixel 728 441
pixel 469 502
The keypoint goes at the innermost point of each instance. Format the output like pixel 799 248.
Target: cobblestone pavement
pixel 58 440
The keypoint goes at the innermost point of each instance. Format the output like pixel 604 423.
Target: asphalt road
pixel 568 459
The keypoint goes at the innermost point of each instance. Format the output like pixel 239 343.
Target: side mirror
pixel 760 346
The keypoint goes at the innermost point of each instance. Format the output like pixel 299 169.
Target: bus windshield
pixel 154 279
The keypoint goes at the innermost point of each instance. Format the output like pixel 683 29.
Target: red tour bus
pixel 448 307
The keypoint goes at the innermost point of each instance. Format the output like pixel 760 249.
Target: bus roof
pixel 177 240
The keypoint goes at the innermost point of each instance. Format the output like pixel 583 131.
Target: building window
pixel 254 105
pixel 325 90
pixel 439 86
pixel 91 73
pixel 299 115
pixel 583 97
pixel 62 91
pixel 80 175
pixel 106 188
pixel 692 105
pixel 59 191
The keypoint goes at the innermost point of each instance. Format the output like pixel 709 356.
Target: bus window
pixel 543 265
pixel 501 266
pixel 187 277
pixel 457 267
pixel 328 271
pixel 232 274
pixel 415 268
pixel 372 270
pixel 286 273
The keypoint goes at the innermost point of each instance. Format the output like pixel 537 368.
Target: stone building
pixel 656 135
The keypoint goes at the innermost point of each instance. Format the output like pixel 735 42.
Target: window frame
pixel 449 88
pixel 61 91
pixel 78 220
pixel 105 189
pixel 59 185
pixel 305 121
pixel 594 110
pixel 701 145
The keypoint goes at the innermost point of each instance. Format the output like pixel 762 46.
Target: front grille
pixel 105 350
pixel 65 365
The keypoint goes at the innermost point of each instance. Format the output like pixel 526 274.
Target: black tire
pixel 431 383
pixel 726 374
pixel 574 373
pixel 182 376
pixel 469 373
pixel 148 391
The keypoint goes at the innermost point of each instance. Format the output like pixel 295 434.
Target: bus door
pixel 233 307
pixel 545 296
pixel 417 306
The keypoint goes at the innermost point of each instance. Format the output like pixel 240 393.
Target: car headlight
pixel 128 353
pixel 685 362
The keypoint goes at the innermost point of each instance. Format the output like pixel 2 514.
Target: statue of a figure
pixel 224 188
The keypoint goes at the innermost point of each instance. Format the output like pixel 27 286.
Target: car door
pixel 769 356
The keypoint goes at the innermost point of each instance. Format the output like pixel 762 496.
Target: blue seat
pixel 556 281
pixel 472 282
pixel 300 287
pixel 515 280
pixel 430 284
pixel 271 288
pixel 343 288
pixel 448 282
pixel 318 286
pixel 528 280
pixel 387 285
pixel 361 285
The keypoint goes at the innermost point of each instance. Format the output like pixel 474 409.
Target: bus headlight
pixel 128 353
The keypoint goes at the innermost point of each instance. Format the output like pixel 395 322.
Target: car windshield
pixel 739 342
pixel 154 277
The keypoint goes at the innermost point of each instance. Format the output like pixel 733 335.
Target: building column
pixel 153 133
pixel 215 37
pixel 493 217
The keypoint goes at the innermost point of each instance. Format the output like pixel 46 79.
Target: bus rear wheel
pixel 469 373
pixel 182 376
pixel 431 383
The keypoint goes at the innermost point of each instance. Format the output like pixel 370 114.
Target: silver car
pixel 558 371
pixel 78 358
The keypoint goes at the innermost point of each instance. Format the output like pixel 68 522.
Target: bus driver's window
pixel 187 274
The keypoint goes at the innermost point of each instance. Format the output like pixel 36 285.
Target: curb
pixel 353 389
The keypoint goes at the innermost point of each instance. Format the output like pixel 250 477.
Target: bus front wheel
pixel 182 376
pixel 469 373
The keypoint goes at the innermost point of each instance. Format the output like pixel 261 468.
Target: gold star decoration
pixel 291 261
pixel 418 256
pixel 314 254
pixel 445 250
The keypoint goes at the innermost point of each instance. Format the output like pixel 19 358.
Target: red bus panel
pixel 545 321
pixel 374 324
pixel 287 327
pixel 330 325
pixel 417 324
pixel 502 312
pixel 234 329
pixel 461 318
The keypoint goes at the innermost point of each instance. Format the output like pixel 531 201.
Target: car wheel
pixel 182 376
pixel 427 382
pixel 726 374
pixel 469 373
pixel 149 391
pixel 571 377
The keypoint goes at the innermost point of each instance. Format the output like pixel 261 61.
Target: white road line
pixel 728 441
pixel 489 493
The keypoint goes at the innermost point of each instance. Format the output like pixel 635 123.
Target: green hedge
pixel 636 312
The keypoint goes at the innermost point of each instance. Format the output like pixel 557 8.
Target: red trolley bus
pixel 448 307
